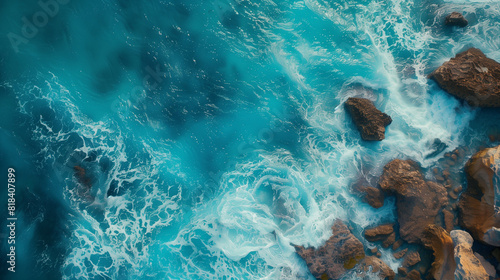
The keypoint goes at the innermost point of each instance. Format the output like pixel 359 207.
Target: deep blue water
pixel 213 132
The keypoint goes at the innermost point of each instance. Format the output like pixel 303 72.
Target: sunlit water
pixel 214 132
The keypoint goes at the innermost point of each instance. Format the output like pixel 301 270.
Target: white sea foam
pixel 274 198
pixel 117 242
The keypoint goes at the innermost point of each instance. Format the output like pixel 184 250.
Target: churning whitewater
pixel 205 139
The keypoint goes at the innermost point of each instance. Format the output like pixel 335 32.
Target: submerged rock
pixel 471 76
pixel 439 241
pixel 341 252
pixel 477 204
pixel 456 19
pixel 468 266
pixel 418 201
pixel 82 177
pixel 376 266
pixel 370 121
pixel 437 147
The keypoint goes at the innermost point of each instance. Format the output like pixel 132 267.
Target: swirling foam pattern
pixel 213 132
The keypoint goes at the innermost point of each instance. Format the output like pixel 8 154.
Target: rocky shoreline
pixel 445 229
pixel 430 222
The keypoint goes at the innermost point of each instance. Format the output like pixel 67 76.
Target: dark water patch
pixel 113 189
pixel 42 226
pixel 120 188
pixel 106 164
pixel 108 78
pixel 231 20
pixel 133 17
pixel 52 237
pixel 10 118
pixel 55 37
pixel 126 58
pixel 482 129
pixel 182 9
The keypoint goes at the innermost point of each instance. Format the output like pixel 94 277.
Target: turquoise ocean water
pixel 213 132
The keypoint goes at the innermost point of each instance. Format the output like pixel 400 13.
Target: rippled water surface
pixel 213 132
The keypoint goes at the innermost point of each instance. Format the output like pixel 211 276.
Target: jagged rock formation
pixel 471 76
pixel 411 259
pixel 439 241
pixel 468 266
pixel 379 233
pixel 418 201
pixel 477 204
pixel 340 253
pixel 456 19
pixel 370 121
pixel 376 266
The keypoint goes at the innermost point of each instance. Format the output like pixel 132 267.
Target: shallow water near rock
pixel 213 134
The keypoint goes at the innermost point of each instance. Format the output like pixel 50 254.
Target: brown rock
pixel 471 76
pixel 370 121
pixel 389 240
pixel 422 269
pixel 341 252
pixel 377 266
pixel 456 19
pixel 397 244
pixel 453 195
pixel 371 195
pixel 379 233
pixel 448 220
pixel 468 266
pixel 439 241
pixel 402 271
pixel 400 254
pixel 492 137
pixel 82 177
pixel 477 204
pixel 411 259
pixel 418 201
pixel 413 275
